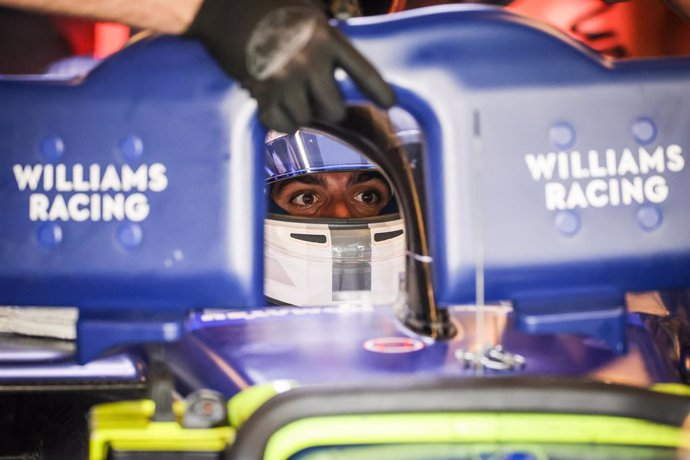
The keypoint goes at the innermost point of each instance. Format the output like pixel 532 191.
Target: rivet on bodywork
pixel 131 147
pixel 130 235
pixel 49 235
pixel 562 135
pixel 643 130
pixel 567 222
pixel 53 148
pixel 649 217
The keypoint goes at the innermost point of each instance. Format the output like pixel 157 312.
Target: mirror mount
pixel 419 311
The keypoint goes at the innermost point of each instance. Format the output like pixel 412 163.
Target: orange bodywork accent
pixel 109 37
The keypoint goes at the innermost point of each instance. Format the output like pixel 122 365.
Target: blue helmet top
pixel 309 151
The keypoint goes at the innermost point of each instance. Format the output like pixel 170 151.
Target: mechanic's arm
pixel 283 51
pixel 164 16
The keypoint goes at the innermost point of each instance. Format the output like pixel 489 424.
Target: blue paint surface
pixel 163 102
pixel 487 87
pixel 230 350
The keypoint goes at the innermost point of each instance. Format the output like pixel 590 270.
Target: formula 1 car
pixel 545 303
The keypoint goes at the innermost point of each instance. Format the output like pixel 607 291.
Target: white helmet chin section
pixel 334 261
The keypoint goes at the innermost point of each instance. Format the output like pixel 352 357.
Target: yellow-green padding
pixel 244 404
pixel 126 426
pixel 677 389
pixel 470 428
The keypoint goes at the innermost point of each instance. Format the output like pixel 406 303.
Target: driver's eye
pixel 304 199
pixel 368 197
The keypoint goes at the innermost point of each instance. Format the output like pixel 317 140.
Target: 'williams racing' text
pixel 80 193
pixel 609 178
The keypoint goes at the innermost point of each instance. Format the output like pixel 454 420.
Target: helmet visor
pixel 309 151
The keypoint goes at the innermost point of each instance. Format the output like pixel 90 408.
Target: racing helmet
pixel 317 260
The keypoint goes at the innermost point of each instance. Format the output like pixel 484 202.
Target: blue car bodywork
pixel 555 180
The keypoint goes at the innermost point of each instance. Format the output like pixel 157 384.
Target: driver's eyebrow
pixel 358 178
pixel 310 179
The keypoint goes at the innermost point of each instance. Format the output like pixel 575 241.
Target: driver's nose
pixel 339 210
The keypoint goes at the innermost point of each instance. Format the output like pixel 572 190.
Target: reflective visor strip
pixel 351 256
pixel 377 429
pixel 309 151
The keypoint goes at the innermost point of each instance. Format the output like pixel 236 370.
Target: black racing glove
pixel 285 52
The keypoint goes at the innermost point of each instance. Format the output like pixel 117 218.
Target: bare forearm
pixel 166 16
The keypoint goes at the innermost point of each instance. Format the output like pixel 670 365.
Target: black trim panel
pixel 383 236
pixel 309 238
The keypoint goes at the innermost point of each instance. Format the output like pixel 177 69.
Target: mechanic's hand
pixel 285 52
